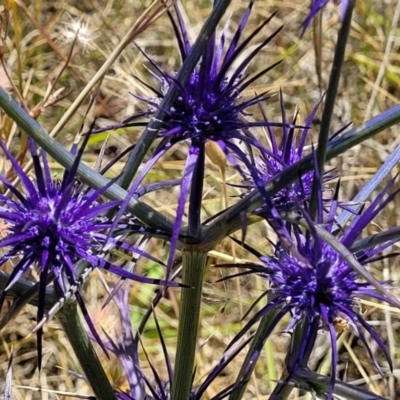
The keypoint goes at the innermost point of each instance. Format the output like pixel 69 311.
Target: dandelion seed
pixel 78 30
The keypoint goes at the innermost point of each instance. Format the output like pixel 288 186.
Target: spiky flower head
pixel 320 287
pixel 53 224
pixel 283 153
pixel 208 108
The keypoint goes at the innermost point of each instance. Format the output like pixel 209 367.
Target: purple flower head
pixel 53 224
pixel 318 5
pixel 320 288
pixel 283 153
pixel 208 107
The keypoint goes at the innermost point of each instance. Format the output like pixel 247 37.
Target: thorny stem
pixel 298 356
pixel 330 100
pixel 150 133
pixel 376 239
pixel 84 351
pixel 319 384
pixel 22 286
pixel 193 264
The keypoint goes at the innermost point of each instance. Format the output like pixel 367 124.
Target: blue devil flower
pixel 52 224
pixel 283 153
pixel 208 108
pixel 319 287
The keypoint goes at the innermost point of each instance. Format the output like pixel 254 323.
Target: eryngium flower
pixel 320 288
pixel 52 225
pixel 208 108
pixel 283 153
pixel 318 5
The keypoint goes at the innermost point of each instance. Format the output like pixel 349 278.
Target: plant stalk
pixel 301 345
pixel 71 322
pixel 333 85
pixel 319 384
pixel 193 264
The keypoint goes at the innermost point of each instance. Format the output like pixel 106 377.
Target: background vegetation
pixel 49 64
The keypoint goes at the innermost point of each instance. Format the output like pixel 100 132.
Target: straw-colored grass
pixel 50 62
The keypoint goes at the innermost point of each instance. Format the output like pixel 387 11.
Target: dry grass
pixel 40 49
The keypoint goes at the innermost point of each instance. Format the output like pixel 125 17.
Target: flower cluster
pixel 316 274
pixel 283 153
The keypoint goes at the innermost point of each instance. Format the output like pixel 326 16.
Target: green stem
pixel 301 345
pixel 375 239
pixel 193 273
pixel 84 351
pixel 23 292
pixel 320 385
pixel 334 78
